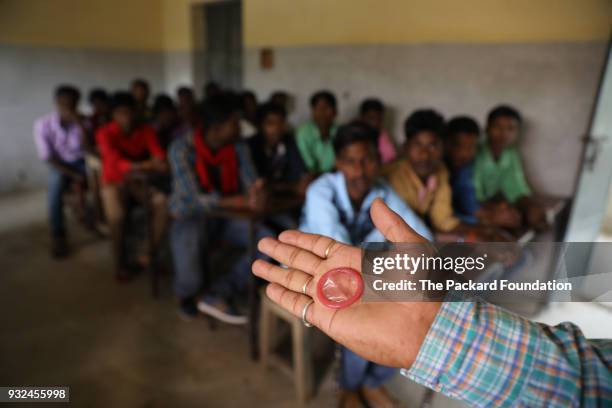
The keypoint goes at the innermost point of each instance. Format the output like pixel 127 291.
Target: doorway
pixel 223 43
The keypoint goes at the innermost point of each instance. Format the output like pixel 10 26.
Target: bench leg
pixel 265 336
pixel 302 361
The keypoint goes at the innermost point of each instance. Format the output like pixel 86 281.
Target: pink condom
pixel 339 288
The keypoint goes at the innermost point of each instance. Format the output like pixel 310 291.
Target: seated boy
pixel 185 98
pixel 462 136
pixel 100 103
pixel 141 91
pixel 498 171
pixel 165 120
pixel 315 137
pixel 128 148
pixel 338 206
pixel 100 116
pixel 372 113
pixel 211 171
pixel 187 109
pixel 281 98
pixel 421 179
pixel 58 138
pixel 248 109
pixel 274 152
pixel 278 161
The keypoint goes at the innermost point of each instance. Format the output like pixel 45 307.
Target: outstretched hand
pixel 388 333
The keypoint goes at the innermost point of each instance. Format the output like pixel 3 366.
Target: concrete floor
pixel 68 323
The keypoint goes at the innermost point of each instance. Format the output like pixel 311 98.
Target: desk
pixel 275 206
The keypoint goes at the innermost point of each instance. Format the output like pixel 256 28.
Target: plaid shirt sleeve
pixel 186 199
pixel 486 356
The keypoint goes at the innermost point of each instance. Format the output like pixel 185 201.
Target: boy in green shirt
pixel 498 170
pixel 314 138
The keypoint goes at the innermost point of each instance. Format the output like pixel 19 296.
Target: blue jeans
pixel 189 239
pixel 356 372
pixel 57 184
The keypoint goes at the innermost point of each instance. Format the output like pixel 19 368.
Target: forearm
pixel 285 187
pixel 63 168
pixel 233 202
pixel 485 355
pixel 411 323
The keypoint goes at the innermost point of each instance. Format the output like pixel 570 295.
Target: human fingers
pixel 292 279
pixel 320 245
pixel 391 225
pixel 290 255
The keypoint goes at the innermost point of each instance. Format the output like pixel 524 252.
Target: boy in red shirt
pixel 129 149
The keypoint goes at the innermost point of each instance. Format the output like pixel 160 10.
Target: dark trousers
pixel 57 185
pixel 356 372
pixel 190 238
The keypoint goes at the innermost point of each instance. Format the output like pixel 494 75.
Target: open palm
pixel 388 333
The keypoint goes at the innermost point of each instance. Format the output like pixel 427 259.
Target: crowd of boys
pixel 445 179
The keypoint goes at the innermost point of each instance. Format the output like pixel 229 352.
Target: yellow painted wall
pixel 114 24
pixel 183 24
pixel 111 24
pixel 176 17
pixel 170 24
pixel 303 22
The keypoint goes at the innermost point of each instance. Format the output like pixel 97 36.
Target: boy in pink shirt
pixel 372 113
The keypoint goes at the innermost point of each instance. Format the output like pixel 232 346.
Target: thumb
pixel 391 225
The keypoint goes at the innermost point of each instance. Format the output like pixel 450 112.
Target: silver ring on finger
pixel 329 247
pixel 305 287
pixel 304 311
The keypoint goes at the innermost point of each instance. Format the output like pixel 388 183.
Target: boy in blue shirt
pixel 338 205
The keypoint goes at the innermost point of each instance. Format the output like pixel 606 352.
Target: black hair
pixel 184 90
pixel 427 120
pixel 219 108
pixel 122 99
pixel 270 108
pixel 462 124
pixel 248 94
pixel 141 82
pixel 280 98
pixel 211 88
pixel 324 95
pixel 279 94
pixel 371 104
pixel 162 103
pixel 244 95
pixel 354 132
pixel 98 94
pixel 70 91
pixel 504 111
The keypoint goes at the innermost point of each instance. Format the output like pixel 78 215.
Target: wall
pixel 27 78
pixel 88 43
pixel 324 22
pixel 553 84
pixel 43 43
pixel 543 56
pixel 459 57
pixel 96 24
